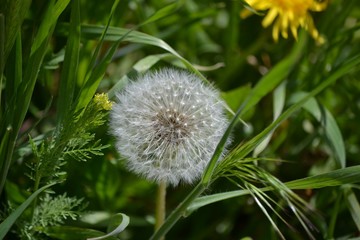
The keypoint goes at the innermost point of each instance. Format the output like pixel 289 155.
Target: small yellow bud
pixel 102 100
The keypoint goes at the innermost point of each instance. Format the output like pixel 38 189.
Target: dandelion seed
pixel 289 14
pixel 159 130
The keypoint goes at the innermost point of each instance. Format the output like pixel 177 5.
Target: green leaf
pixel 147 62
pixel 73 233
pixel 329 124
pixel 10 220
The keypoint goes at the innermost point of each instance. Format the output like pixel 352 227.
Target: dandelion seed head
pixel 167 125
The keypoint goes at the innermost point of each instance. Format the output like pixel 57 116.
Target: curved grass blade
pixel 10 220
pixel 278 106
pixel 329 124
pixel 125 220
pixel 114 33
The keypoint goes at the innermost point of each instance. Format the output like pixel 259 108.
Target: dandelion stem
pixel 160 206
pixel 178 212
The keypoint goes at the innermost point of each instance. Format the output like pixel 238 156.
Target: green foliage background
pixel 55 55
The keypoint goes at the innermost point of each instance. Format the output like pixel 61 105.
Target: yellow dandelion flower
pixel 288 14
pixel 103 101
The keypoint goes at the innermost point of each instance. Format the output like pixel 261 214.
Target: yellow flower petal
pixel 288 14
pixel 269 18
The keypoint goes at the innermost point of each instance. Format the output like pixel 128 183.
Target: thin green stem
pixel 178 212
pixel 2 54
pixel 160 212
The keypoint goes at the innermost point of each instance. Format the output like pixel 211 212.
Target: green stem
pixel 160 212
pixel 178 212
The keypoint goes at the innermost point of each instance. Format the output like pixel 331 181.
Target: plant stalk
pixel 160 211
pixel 178 212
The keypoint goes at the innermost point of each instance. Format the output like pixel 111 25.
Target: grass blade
pixel 71 61
pixel 328 122
pixel 163 12
pixel 2 55
pixel 278 106
pixel 125 220
pixel 353 206
pixel 114 33
pixel 331 179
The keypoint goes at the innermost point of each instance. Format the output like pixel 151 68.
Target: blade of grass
pixel 102 35
pixel 331 179
pixel 2 54
pixel 114 33
pixel 71 60
pixel 328 122
pixel 255 196
pixel 50 18
pixel 353 205
pixel 15 12
pixel 125 220
pixel 334 215
pixel 163 12
pixel 4 161
pixel 278 106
